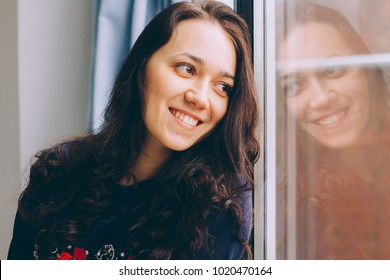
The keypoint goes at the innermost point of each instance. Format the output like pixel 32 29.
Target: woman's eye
pixel 291 89
pixel 334 72
pixel 224 88
pixel 186 69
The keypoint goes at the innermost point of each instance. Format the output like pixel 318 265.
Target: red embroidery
pixel 106 252
pixel 65 256
pixel 79 253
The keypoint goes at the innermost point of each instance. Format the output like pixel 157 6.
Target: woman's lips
pixel 331 119
pixel 184 118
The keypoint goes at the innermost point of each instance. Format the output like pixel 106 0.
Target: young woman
pixel 169 174
pixel 341 111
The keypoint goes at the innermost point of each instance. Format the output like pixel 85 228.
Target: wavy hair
pixel 71 183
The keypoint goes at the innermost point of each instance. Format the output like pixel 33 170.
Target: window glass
pixel 332 130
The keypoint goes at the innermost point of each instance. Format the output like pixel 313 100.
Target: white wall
pixel 44 78
pixel 9 120
pixel 54 55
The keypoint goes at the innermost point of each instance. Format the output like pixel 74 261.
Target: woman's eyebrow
pixel 200 61
pixel 227 75
pixel 289 76
pixel 192 57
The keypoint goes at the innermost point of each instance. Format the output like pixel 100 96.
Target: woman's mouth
pixel 184 118
pixel 331 120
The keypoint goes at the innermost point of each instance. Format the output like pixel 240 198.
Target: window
pixel 324 178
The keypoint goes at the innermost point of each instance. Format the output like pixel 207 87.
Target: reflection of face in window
pixel 335 171
pixel 333 103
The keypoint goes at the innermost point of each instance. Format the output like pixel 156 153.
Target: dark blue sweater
pixel 106 238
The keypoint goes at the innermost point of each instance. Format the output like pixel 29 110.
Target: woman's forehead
pixel 314 41
pixel 203 40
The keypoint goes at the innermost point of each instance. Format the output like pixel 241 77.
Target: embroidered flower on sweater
pixel 65 256
pixel 78 254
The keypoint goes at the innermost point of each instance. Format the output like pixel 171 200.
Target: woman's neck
pixel 149 161
pixel 147 165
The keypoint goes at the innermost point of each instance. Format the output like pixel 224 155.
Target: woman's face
pixel 187 85
pixel 330 103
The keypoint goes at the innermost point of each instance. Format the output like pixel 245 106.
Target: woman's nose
pixel 321 94
pixel 198 96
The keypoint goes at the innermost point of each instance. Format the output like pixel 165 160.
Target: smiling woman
pixel 187 85
pixel 334 104
pixel 169 173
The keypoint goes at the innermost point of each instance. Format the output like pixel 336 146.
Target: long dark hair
pixel 235 141
pixel 72 180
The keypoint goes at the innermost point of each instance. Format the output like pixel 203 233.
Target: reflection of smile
pixel 184 118
pixel 332 119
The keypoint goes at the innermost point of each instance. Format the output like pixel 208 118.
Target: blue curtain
pixel 117 25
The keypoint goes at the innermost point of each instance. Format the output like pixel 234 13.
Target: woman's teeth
pixel 185 118
pixel 331 120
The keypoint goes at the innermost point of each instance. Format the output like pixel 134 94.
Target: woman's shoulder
pixel 222 225
pixel 64 157
pixel 58 168
pixel 244 197
pixel 58 174
pixel 243 187
pixel 66 150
